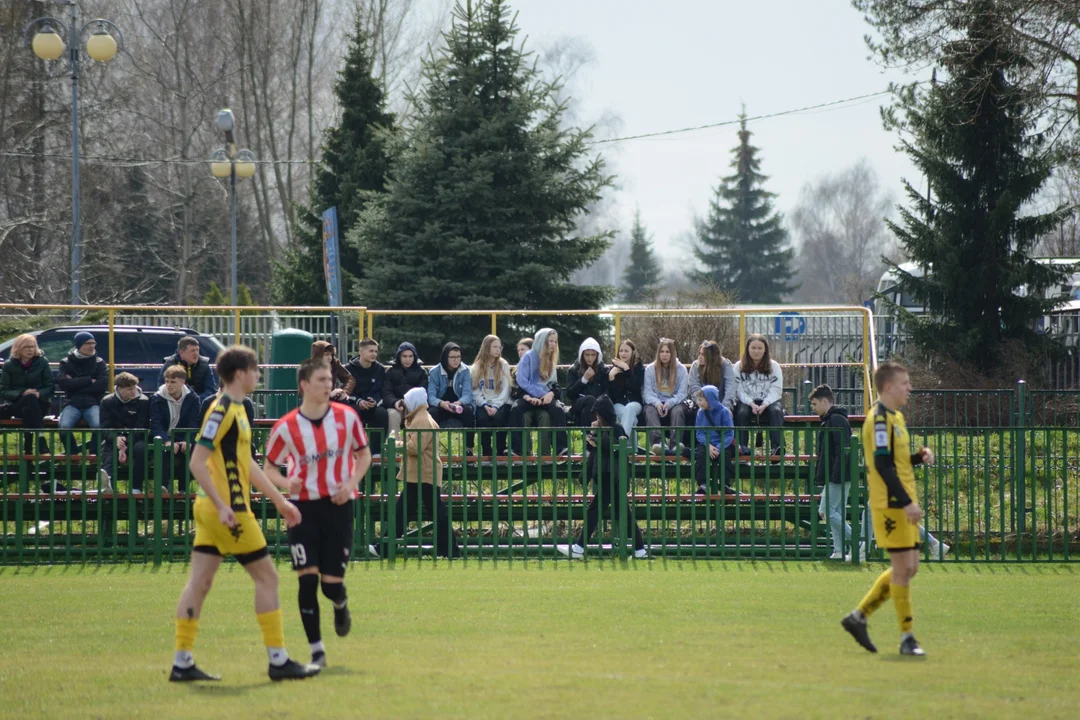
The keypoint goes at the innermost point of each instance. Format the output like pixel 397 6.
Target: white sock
pixel 317 647
pixel 905 636
pixel 278 656
pixel 858 615
pixel 183 659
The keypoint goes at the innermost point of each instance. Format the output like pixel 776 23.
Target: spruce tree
pixel 742 244
pixel 483 196
pixel 973 138
pixel 354 164
pixel 642 277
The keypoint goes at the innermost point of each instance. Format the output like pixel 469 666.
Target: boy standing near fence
pixel 893 503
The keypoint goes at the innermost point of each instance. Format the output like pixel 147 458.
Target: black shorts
pixel 324 536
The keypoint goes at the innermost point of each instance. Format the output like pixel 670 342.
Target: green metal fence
pixel 999 494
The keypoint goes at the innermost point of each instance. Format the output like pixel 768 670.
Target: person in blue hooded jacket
pixel 450 392
pixel 537 377
pixel 715 452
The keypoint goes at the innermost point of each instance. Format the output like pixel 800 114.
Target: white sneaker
pixel 641 554
pixel 862 553
pixel 836 555
pixel 574 552
pixel 939 549
pixel 106 481
pixel 136 492
pixel 373 551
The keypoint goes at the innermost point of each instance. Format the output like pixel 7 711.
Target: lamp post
pixel 47 44
pixel 228 162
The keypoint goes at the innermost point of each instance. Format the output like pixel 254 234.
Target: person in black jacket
pixel 200 374
pixel 625 380
pixel 367 396
pixel 405 373
pixel 126 409
pixel 602 470
pixel 174 417
pixel 831 473
pixel 84 378
pixel 586 381
pixel 26 382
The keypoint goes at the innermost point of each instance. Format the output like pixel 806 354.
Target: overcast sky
pixel 665 65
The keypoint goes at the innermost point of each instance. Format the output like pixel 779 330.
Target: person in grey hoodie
pixel 125 417
pixel 710 368
pixel 759 389
pixel 174 415
pixel 664 392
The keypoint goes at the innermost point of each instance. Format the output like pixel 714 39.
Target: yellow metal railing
pixel 869 352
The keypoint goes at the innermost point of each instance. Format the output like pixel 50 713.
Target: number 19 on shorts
pixel 299 555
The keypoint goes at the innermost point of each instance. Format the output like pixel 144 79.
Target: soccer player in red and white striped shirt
pixel 324 448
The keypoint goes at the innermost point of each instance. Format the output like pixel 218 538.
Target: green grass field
pixel 551 640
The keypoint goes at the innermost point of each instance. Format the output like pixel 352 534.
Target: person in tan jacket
pixel 344 382
pixel 421 469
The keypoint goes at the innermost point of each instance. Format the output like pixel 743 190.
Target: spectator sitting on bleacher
pixel 715 451
pixel 125 409
pixel 450 390
pixel 625 381
pixel 537 376
pixel 601 469
pixel 712 368
pixel 586 381
pixel 344 382
pixel 26 381
pixel 759 388
pixel 524 345
pixel 664 392
pixel 198 374
pixel 84 378
pixel 490 375
pixel 174 409
pixel 405 373
pixel 367 395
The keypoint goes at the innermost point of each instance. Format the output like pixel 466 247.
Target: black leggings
pixel 606 491
pixel 500 419
pixel 772 416
pixel 707 470
pixel 31 410
pixel 555 413
pixel 408 505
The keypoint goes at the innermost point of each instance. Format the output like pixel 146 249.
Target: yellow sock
pixel 878 594
pixel 272 625
pixel 186 630
pixel 902 600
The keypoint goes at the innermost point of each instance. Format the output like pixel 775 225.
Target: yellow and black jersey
pixel 889 462
pixel 227 433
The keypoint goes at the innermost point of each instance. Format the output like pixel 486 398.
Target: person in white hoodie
pixel 759 390
pixel 174 416
pixel 490 374
pixel 586 381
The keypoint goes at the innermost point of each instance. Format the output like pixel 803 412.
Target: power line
pixel 662 133
pixel 140 162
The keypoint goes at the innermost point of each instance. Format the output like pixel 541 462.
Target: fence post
pixel 807 388
pixel 112 348
pixel 621 506
pixel 155 488
pixel 1020 443
pixel 854 497
pixel 390 483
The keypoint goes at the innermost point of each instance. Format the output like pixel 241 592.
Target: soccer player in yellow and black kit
pixel 225 524
pixel 896 511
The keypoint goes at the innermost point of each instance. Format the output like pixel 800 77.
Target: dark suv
pixel 140 349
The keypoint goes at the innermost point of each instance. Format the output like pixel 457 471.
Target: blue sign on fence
pixel 790 324
pixel 331 256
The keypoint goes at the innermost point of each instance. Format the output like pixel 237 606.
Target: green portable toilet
pixel 288 348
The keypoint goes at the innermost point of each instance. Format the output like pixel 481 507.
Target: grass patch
pixel 552 639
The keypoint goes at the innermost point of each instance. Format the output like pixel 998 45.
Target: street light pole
pixel 47 44
pixel 232 191
pixel 231 163
pixel 76 212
